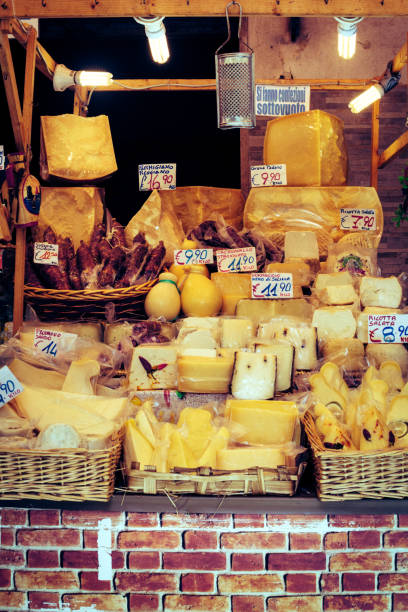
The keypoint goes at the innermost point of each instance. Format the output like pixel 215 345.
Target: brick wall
pixel 393 250
pixel 220 562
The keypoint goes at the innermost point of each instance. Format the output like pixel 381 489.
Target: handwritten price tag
pixel 193 256
pixel 271 285
pixel 50 342
pixel 264 176
pixel 388 329
pixel 157 176
pixel 9 386
pixel 1 157
pixel 236 260
pixel 357 219
pixel 46 253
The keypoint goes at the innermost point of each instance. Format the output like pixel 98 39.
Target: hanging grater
pixel 235 83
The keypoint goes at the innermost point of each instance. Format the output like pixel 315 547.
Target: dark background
pixel 147 126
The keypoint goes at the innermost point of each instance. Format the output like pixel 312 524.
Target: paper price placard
pixel 50 341
pixel 9 386
pixel 157 176
pixel 357 219
pixel 271 285
pixel 388 329
pixel 46 253
pixel 267 175
pixel 2 164
pixel 184 257
pixel 236 260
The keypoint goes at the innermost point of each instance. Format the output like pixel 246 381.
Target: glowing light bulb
pixel 370 95
pixel 347 36
pixel 93 79
pixel 156 35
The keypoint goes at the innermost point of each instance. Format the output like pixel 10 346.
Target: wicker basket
pixel 204 481
pixel 63 304
pixel 59 475
pixel 356 475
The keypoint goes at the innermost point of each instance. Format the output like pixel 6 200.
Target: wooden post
pixel 375 139
pixel 80 97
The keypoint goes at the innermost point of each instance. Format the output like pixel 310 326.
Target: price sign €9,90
pixel 157 176
pixel 267 175
pixel 388 329
pixel 184 257
pixel 9 386
pixel 271 285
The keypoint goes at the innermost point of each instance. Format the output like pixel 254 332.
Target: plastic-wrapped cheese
pixel 376 354
pixel 254 376
pixel 198 374
pixel 334 322
pixel 263 422
pixel 284 362
pixel 153 366
pixel 234 287
pixel 384 292
pixel 324 280
pixel 347 353
pixel 260 310
pixel 76 148
pixel 296 332
pixel 236 332
pixel 312 146
pixel 244 458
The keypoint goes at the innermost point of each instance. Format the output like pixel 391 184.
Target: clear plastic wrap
pixel 359 261
pixel 296 331
pixel 76 148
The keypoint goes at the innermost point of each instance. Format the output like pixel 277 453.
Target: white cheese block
pixel 262 310
pixel 334 278
pixel 334 295
pixel 284 362
pixel 81 376
pixel 334 322
pixel 200 322
pixel 201 338
pixel 153 366
pixel 236 333
pixel 292 330
pixel 58 435
pixel 301 244
pixel 384 292
pixel 377 353
pixel 254 376
pixel 362 319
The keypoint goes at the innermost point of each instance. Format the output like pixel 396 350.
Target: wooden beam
pixel 43 60
pixel 375 139
pixel 19 269
pixel 200 8
pixel 10 85
pixel 29 93
pixel 392 151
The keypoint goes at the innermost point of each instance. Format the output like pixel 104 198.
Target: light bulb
pixel 93 79
pixel 370 95
pixel 347 36
pixel 156 35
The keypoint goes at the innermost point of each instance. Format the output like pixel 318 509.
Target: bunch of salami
pixel 105 263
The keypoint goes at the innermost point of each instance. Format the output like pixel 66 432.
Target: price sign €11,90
pixel 157 176
pixel 236 260
pixel 10 387
pixel 271 285
pixel 388 329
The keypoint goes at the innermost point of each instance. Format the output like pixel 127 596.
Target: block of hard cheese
pixel 301 272
pixel 384 292
pixel 262 310
pixel 153 366
pixel 301 244
pixel 336 295
pixel 376 354
pixel 28 374
pixel 319 137
pixel 87 330
pixel 324 280
pixel 284 362
pixel 236 332
pixel 263 422
pixel 296 332
pixel 334 322
pixel 254 376
pixel 205 374
pixel 362 319
pixel 242 458
pixel 76 148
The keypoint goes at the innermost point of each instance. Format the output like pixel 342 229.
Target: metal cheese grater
pixel 235 73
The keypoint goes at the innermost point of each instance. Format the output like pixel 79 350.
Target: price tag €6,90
pixel 236 260
pixel 9 386
pixel 357 219
pixel 271 285
pixel 184 257
pixel 50 341
pixel 388 329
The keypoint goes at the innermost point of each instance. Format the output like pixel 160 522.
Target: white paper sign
pixel 46 253
pixel 357 219
pixel 9 386
pixel 267 175
pixel 50 341
pixel 2 157
pixel 157 176
pixel 193 256
pixel 388 329
pixel 280 100
pixel 236 260
pixel 271 285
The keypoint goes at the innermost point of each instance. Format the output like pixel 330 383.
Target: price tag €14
pixel 388 329
pixel 46 253
pixel 50 341
pixel 267 175
pixel 157 176
pixel 9 386
pixel 357 219
pixel 184 257
pixel 236 260
pixel 271 285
